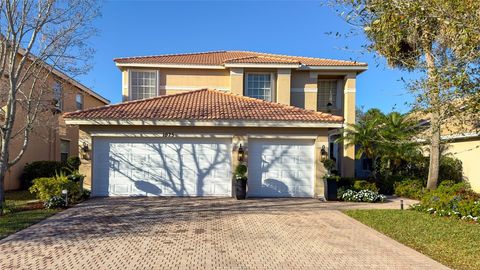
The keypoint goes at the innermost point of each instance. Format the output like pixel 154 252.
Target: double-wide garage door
pixel 161 167
pixel 200 167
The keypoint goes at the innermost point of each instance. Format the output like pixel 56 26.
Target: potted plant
pixel 330 188
pixel 330 182
pixel 240 176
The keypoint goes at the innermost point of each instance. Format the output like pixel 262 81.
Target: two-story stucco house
pixel 51 138
pixel 188 119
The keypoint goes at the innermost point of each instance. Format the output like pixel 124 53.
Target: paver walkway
pixel 205 233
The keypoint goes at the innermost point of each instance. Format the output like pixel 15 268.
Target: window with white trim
pixel 259 85
pixel 143 84
pixel 79 101
pixel 327 94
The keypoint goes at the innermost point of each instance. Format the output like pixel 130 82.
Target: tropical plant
pixel 438 39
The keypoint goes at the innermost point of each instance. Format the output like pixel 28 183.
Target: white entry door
pixel 280 168
pixel 161 167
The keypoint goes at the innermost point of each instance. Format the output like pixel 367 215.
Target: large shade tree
pixel 37 38
pixel 437 38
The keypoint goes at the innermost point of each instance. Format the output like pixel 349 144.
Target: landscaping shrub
pixel 450 169
pixel 47 187
pixel 75 176
pixel 453 200
pixel 345 182
pixel 54 202
pixel 73 163
pixel 7 207
pixel 85 194
pixel 362 196
pixel 341 191
pixel 364 185
pixel 329 164
pixel 412 189
pixel 39 169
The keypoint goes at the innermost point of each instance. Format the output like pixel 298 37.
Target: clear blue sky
pixel 132 28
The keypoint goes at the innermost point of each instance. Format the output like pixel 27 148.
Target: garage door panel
pixel 172 167
pixel 280 168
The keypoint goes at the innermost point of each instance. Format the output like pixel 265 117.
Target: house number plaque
pixel 167 134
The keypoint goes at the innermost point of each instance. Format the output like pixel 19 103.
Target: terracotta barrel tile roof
pixel 203 104
pixel 222 57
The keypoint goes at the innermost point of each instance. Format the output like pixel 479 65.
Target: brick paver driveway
pixel 187 233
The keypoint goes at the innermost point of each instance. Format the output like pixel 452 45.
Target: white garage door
pixel 280 168
pixel 161 167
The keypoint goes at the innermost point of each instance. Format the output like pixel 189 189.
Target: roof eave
pixel 189 66
pixel 67 78
pixel 204 123
pixel 358 68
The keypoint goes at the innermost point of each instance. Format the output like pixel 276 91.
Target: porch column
pixel 348 155
pixel 283 86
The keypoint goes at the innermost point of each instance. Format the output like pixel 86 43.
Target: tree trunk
pixel 433 93
pixel 434 166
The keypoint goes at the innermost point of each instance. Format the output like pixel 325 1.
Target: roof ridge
pixel 293 56
pixel 240 58
pixel 168 54
pixel 137 101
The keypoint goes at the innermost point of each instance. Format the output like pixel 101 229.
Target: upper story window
pixel 57 95
pixel 143 84
pixel 259 85
pixel 327 94
pixel 79 101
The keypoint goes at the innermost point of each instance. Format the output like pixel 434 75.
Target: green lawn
pixel 452 242
pixel 18 220
pixel 20 197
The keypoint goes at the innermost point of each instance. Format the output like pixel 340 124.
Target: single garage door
pixel 280 168
pixel 161 167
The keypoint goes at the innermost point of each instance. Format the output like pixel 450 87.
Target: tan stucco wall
pixel 240 135
pixel 469 153
pixel 236 81
pixel 50 129
pixel 294 87
pixel 283 86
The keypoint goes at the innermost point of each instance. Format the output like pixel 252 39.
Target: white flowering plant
pixel 451 200
pixel 362 196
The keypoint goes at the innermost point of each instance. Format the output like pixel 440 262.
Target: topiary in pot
pixel 240 177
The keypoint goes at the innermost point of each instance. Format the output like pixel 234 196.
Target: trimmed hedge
pixel 48 168
pixel 39 169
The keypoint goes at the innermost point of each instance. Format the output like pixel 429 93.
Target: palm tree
pixel 387 136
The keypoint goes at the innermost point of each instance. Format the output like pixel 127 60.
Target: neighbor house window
pixel 57 95
pixel 259 86
pixel 143 84
pixel 79 101
pixel 64 150
pixel 327 94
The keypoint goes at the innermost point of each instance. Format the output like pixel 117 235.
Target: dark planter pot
pixel 241 189
pixel 330 189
